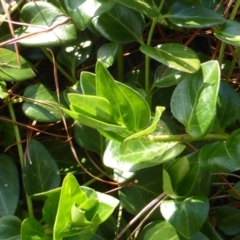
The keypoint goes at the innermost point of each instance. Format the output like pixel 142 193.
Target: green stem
pixel 187 138
pixel 70 78
pixel 120 67
pixel 234 11
pixel 20 151
pixel 147 58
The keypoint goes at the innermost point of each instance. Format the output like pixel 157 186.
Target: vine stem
pixel 187 138
pixel 147 58
pixel 20 151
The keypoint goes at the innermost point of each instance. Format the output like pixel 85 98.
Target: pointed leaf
pixel 227 33
pixel 146 7
pixel 83 11
pixel 40 169
pixel 120 24
pixel 107 53
pixel 10 228
pixel 186 216
pixel 45 15
pixel 88 83
pixel 9 186
pixel 190 16
pixel 194 99
pixel 222 157
pixel 10 69
pixel 171 54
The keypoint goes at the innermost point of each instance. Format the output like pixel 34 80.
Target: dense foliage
pixel 119 119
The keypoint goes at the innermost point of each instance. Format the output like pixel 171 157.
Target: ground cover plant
pixel 119 119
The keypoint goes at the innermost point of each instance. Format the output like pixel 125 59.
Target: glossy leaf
pixel 134 114
pixel 53 25
pixel 159 230
pixel 127 141
pixel 107 54
pixel 167 77
pixel 223 156
pixel 120 24
pixel 194 100
pixel 32 229
pixel 173 173
pixel 228 106
pixel 191 16
pixel 148 186
pixel 83 11
pixel 186 216
pixel 43 105
pixel 88 83
pixel 9 186
pixel 142 153
pixel 146 7
pixel 171 55
pixel 76 52
pixel 227 219
pixel 40 169
pixel 10 228
pixel 92 106
pixel 10 69
pixel 89 138
pixel 227 33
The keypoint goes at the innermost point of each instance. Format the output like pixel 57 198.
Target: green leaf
pixel 127 141
pixel 88 83
pixel 31 229
pixel 186 216
pixel 83 11
pixel 71 194
pixel 227 219
pixel 44 15
pixel 9 186
pixel 135 114
pixel 10 69
pixel 120 24
pixel 197 16
pixel 227 32
pixel 107 53
pixel 223 156
pixel 209 230
pixel 40 169
pixel 89 138
pixel 228 106
pixel 76 52
pixel 171 55
pixel 197 181
pixel 148 186
pixel 235 192
pixel 173 173
pixel 43 105
pixel 146 7
pixel 10 228
pixel 194 99
pixel 167 77
pixel 3 89
pixel 142 153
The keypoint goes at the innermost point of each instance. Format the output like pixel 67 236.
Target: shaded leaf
pixel 45 15
pixel 10 228
pixel 120 24
pixel 40 169
pixel 191 16
pixel 186 216
pixel 194 99
pixel 11 71
pixel 43 106
pixel 9 186
pixel 223 156
pixel 83 11
pixel 227 33
pixel 171 55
